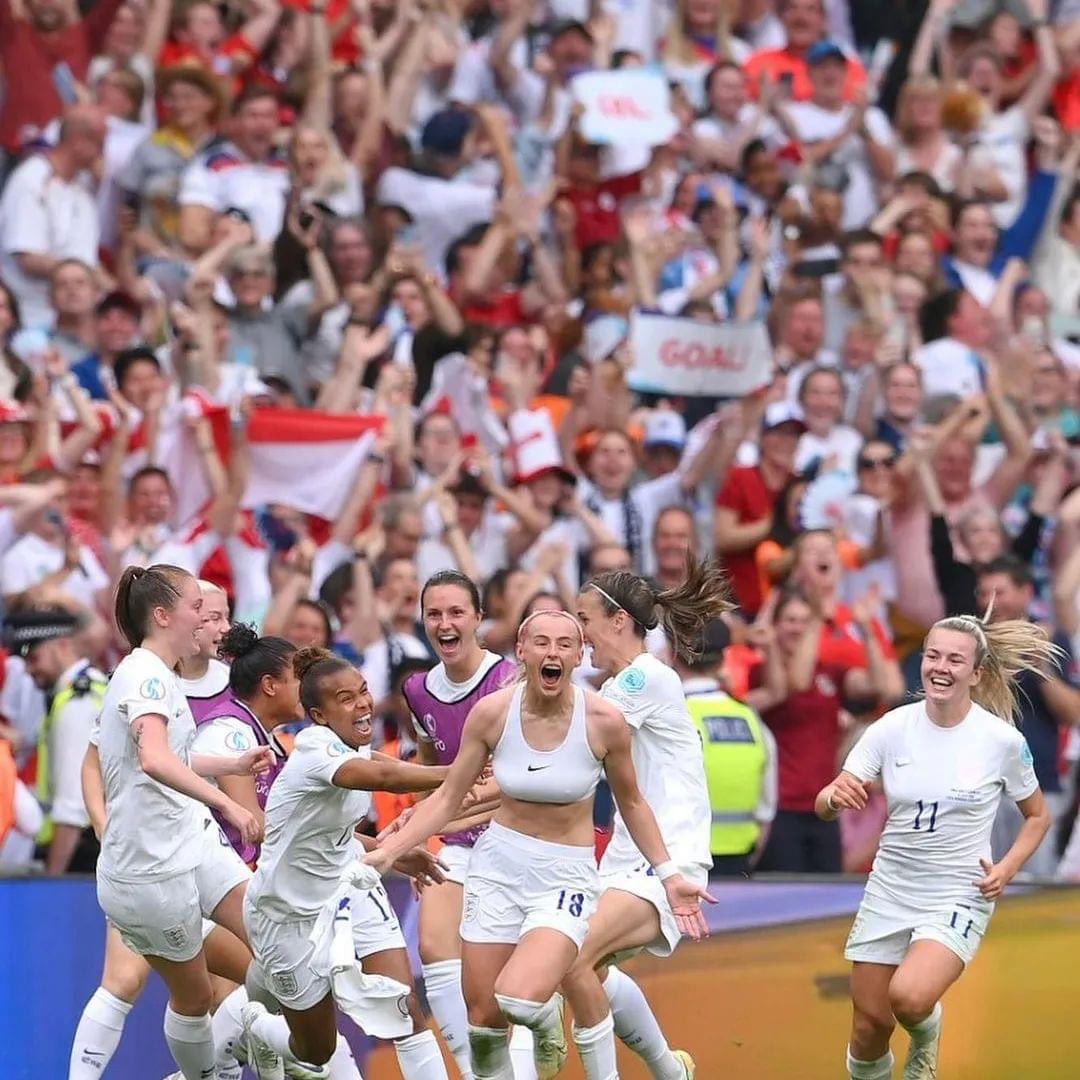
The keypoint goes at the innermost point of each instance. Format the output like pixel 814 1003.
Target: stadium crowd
pixel 316 299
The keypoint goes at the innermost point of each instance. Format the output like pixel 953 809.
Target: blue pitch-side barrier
pixel 52 937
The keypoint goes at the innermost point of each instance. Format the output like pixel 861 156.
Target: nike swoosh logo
pixel 537 768
pixel 901 764
pixel 93 1053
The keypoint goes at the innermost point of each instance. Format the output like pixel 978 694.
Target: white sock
pixel 870 1070
pixel 538 1016
pixel 419 1057
pixel 274 1031
pixel 596 1045
pixel 490 1051
pixel 636 1025
pixel 342 1065
pixel 442 983
pixel 227 1025
pixel 191 1043
pixel 521 1053
pixel 926 1030
pixel 98 1035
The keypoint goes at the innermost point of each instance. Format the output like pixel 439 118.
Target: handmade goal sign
pixel 694 359
pixel 625 107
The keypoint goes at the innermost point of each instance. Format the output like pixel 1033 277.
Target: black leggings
pixel 801 843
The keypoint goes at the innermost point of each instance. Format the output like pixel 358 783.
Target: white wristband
pixel 666 870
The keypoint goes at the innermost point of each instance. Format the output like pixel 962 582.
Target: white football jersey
pixel 669 762
pixel 943 786
pixel 152 831
pixel 309 829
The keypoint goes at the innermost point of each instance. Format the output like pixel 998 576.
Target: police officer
pixel 740 758
pixel 47 640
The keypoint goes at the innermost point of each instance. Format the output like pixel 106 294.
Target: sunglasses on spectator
pixel 877 462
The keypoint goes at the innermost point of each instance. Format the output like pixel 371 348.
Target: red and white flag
pixel 307 460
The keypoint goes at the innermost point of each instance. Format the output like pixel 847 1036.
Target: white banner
pixel 626 107
pixel 693 359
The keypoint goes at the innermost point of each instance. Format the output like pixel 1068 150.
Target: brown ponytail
pixel 141 590
pixel 1003 650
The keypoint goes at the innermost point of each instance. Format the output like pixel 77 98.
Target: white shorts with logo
pixel 291 965
pixel 165 917
pixel 882 933
pixel 375 926
pixel 518 883
pixel 639 880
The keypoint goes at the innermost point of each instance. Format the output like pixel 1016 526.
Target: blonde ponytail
pixel 1003 650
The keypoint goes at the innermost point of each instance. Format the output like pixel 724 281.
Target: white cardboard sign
pixel 625 107
pixel 694 359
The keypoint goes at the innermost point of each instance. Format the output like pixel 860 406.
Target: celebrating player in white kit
pixel 532 881
pixel 317 800
pixel 617 609
pixel 945 763
pixel 161 870
pixel 125 974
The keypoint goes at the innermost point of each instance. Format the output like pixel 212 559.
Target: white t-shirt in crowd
pixel 943 786
pixel 949 367
pixel 30 560
pixel 441 210
pixel 815 124
pixel 188 550
pixel 43 214
pixel 487 543
pixel 152 831
pixel 309 829
pixel 649 497
pixel 840 448
pixel 223 177
pixel 1002 141
pixel 669 763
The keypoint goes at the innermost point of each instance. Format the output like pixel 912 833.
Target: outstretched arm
pixel 434 813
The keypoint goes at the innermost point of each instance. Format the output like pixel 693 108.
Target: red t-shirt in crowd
pixel 597 208
pixel 842 642
pixel 29 56
pixel 746 492
pixel 222 63
pixel 779 63
pixel 505 310
pixel 806 727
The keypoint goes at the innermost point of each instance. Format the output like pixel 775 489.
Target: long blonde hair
pixel 679 49
pixel 1003 650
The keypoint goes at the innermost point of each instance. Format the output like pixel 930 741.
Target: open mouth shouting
pixel 551 672
pixel 362 728
pixel 941 683
pixel 449 644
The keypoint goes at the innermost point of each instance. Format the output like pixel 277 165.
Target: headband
pixel 552 611
pixel 615 604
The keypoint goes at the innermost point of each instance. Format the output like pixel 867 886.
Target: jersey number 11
pixel 931 809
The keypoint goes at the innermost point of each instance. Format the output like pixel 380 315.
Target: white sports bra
pixel 567 774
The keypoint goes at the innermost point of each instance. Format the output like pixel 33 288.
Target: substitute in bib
pixel 617 609
pixel 161 868
pixel 532 880
pixel 440 700
pixel 945 762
